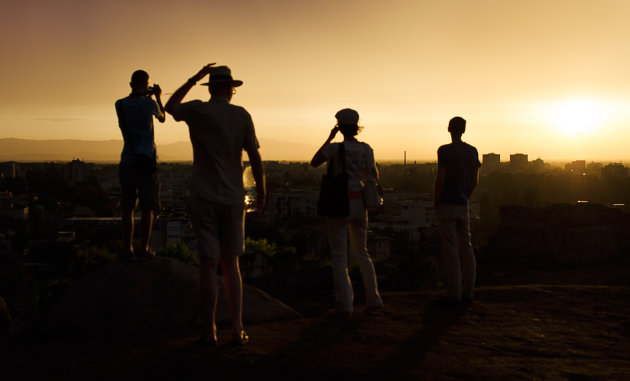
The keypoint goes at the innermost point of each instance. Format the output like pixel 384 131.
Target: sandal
pixel 372 308
pixel 128 256
pixel 240 340
pixel 146 255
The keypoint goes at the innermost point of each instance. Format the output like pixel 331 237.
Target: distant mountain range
pixel 12 149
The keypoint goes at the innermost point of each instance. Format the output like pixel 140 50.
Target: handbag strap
pixel 341 157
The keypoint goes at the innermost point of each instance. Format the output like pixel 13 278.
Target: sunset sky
pixel 548 78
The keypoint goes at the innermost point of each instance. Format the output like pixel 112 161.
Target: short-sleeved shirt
pixel 461 160
pixel 219 132
pixel 359 161
pixel 135 119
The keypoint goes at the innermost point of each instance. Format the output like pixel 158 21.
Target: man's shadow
pixel 436 321
pixel 317 338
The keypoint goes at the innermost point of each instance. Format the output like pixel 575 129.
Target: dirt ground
pixel 517 331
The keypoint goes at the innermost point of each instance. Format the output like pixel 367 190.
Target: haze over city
pixel 547 78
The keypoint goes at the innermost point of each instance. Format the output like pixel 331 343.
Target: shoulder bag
pixel 372 193
pixel 333 195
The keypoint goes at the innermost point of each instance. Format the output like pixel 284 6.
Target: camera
pixel 149 91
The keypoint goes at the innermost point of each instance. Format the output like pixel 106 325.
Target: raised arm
pixel 158 99
pixel 180 93
pixel 319 157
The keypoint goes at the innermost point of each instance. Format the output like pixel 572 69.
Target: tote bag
pixel 372 198
pixel 333 194
pixel 372 192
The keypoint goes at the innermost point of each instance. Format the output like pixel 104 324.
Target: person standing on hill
pixel 138 160
pixel 219 132
pixel 457 177
pixel 358 160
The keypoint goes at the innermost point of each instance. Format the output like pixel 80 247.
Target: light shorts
pixel 219 229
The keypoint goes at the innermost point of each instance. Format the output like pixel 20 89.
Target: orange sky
pixel 547 78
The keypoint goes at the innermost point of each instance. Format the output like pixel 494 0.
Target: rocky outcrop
pixel 561 234
pixel 5 319
pixel 138 296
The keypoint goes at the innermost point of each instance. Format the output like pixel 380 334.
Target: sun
pixel 576 117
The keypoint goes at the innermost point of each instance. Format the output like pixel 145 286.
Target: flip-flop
pixel 240 340
pixel 207 341
pixel 128 256
pixel 147 255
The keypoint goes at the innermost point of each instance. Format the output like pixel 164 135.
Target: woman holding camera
pixel 359 166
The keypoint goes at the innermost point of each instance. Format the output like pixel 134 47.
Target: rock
pixel 126 297
pixel 5 319
pixel 561 234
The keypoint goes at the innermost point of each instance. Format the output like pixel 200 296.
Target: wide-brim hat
pixel 222 74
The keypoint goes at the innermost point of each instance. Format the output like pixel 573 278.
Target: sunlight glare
pixel 576 117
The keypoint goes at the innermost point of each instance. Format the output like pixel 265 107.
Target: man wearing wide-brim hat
pixel 219 132
pixel 221 74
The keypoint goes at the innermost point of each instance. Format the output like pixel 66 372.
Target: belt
pixel 354 194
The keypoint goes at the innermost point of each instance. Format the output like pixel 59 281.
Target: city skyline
pixel 23 150
pixel 547 78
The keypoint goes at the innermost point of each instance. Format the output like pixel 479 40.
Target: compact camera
pixel 149 91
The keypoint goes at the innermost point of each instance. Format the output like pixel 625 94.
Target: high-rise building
pixel 8 170
pixel 518 161
pixel 538 165
pixel 491 158
pixel 614 170
pixel 576 166
pixel 594 169
pixel 77 171
pixel 491 162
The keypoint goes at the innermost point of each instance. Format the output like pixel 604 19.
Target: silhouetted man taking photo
pixel 138 160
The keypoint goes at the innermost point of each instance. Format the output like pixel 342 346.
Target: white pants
pixel 353 229
pixel 457 250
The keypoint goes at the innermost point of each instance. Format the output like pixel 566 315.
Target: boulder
pixel 163 293
pixel 5 319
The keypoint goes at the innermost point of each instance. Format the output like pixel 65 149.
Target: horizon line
pixel 178 158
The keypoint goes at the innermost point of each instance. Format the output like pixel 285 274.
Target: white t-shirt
pixel 219 132
pixel 359 161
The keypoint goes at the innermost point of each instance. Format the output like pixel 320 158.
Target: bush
pixel 89 259
pixel 178 250
pixel 49 291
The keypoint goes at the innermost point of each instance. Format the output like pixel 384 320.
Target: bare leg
pixel 147 227
pixel 209 295
pixel 127 228
pixel 234 292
